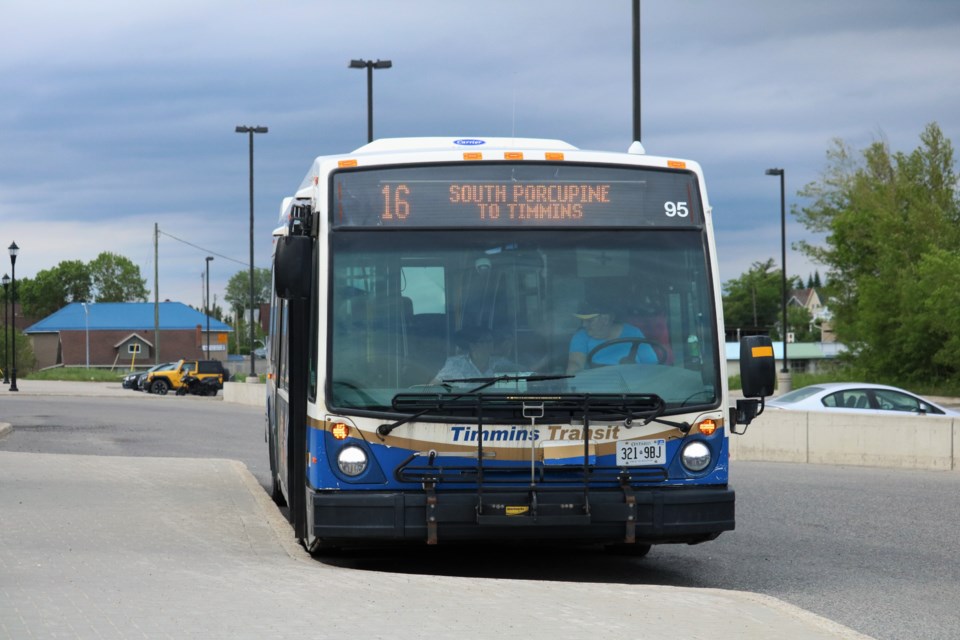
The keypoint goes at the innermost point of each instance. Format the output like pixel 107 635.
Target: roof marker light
pixel 347 163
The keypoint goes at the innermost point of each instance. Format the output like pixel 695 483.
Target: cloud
pixel 119 115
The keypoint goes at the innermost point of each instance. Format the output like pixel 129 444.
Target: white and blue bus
pixel 501 339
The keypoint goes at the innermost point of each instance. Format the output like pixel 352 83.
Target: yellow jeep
pixel 161 382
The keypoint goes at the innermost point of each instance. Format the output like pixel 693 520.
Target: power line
pixel 195 246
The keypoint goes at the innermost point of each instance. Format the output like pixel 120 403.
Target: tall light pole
pixel 6 328
pixel 784 382
pixel 251 131
pixel 636 71
pixel 86 324
pixel 14 252
pixel 206 305
pixel 370 65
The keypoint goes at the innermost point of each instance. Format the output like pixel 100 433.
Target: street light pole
pixel 86 324
pixel 370 65
pixel 14 252
pixel 251 131
pixel 6 329
pixel 785 383
pixel 206 305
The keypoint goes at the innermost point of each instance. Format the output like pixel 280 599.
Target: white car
pixel 857 397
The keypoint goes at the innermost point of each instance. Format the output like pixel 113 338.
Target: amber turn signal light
pixel 340 431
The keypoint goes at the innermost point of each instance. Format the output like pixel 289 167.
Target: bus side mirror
pixel 293 267
pixel 757 366
pixel 757 377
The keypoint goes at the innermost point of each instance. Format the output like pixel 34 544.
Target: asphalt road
pixel 874 549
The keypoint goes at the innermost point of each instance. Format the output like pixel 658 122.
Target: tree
pixel 754 301
pixel 801 324
pixel 52 289
pixel 891 220
pixel 813 281
pixel 117 279
pixel 237 295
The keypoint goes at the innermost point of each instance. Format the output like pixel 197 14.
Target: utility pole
pixel 156 294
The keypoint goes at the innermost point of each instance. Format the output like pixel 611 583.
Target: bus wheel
pixel 635 550
pixel 276 493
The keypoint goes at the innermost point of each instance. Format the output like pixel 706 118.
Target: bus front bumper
pixel 644 516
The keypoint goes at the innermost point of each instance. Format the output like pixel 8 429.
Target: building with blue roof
pixel 124 334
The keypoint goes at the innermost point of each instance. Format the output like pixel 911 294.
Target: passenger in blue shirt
pixel 599 326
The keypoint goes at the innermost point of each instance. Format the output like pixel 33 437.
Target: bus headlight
pixel 695 456
pixel 352 461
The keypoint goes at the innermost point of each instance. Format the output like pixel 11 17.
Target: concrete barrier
pixel 901 442
pixel 820 437
pixel 245 393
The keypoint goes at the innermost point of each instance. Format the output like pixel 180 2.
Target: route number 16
pixel 676 209
pixel 395 206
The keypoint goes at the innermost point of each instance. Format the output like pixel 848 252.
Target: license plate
pixel 639 453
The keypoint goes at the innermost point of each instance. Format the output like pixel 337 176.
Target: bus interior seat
pixel 654 327
pixel 427 345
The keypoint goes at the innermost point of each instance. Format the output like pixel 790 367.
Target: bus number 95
pixel 676 209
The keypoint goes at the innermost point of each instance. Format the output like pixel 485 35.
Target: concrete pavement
pixel 111 547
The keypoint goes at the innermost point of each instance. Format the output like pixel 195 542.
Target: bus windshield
pixel 604 310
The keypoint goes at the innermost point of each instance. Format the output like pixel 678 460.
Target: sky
pixel 116 116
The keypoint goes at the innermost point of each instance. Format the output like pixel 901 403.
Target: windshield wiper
pixel 655 417
pixel 385 429
pixel 489 381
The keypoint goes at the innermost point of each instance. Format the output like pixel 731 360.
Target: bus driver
pixel 600 325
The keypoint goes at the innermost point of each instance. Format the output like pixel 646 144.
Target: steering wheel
pixel 630 358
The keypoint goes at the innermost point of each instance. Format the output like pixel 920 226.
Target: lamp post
pixel 784 381
pixel 14 252
pixel 370 65
pixel 206 305
pixel 6 328
pixel 86 325
pixel 251 131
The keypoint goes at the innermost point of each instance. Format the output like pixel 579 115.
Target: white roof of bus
pixel 390 150
pixel 394 146
pixel 462 144
pixel 399 150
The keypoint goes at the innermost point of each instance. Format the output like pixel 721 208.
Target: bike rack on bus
pixel 540 480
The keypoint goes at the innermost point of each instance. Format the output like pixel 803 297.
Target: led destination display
pixel 526 195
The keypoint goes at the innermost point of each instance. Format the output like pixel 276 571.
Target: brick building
pixel 122 334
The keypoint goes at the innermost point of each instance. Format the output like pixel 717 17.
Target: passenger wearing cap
pixel 477 359
pixel 600 325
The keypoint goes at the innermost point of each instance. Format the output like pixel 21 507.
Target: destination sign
pixel 515 195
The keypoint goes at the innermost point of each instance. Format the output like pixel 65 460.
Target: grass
pixel 78 374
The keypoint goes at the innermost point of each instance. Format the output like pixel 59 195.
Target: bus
pixel 481 339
